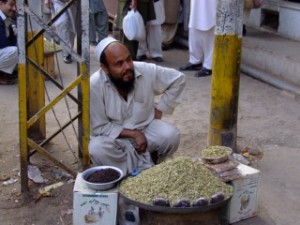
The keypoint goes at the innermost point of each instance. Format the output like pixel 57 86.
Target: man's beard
pixel 127 86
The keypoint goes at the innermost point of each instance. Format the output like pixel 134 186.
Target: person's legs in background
pixel 66 30
pixel 101 22
pixel 131 45
pixel 98 26
pixel 8 61
pixel 143 48
pixel 246 16
pixel 207 47
pixel 92 28
pixel 195 51
pixel 155 42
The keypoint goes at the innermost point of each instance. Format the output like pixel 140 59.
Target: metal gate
pixel 35 83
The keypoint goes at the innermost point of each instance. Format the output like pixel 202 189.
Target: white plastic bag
pixel 133 26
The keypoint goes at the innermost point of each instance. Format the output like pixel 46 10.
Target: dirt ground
pixel 267 119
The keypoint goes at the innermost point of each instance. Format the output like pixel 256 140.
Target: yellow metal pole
pixel 84 89
pixel 22 124
pixel 31 86
pixel 36 92
pixel 85 137
pixel 226 74
pixel 22 68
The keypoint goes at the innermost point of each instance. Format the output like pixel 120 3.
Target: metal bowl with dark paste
pixel 102 177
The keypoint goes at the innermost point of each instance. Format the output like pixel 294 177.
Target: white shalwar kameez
pixel 201 31
pixel 9 57
pixel 110 114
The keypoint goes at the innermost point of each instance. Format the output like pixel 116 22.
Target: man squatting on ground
pixel 126 125
pixel 8 42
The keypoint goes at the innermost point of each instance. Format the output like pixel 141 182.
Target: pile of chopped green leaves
pixel 215 152
pixel 179 178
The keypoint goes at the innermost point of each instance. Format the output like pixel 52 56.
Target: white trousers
pixel 201 47
pixel 154 36
pixel 161 136
pixel 153 42
pixel 65 26
pixel 8 59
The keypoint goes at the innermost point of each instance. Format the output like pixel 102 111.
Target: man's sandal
pixel 8 82
pixel 203 72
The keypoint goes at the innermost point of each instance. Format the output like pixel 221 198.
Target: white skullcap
pixel 102 46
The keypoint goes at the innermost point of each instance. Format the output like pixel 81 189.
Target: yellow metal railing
pixel 32 105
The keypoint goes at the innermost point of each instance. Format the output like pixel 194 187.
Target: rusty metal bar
pixel 52 80
pixel 44 142
pixel 47 155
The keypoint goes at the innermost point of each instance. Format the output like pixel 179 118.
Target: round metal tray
pixel 165 209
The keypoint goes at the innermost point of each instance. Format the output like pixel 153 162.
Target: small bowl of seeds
pixel 102 177
pixel 216 154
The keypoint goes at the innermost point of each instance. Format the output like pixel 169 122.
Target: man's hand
pixel 138 138
pixel 158 114
pixel 140 142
